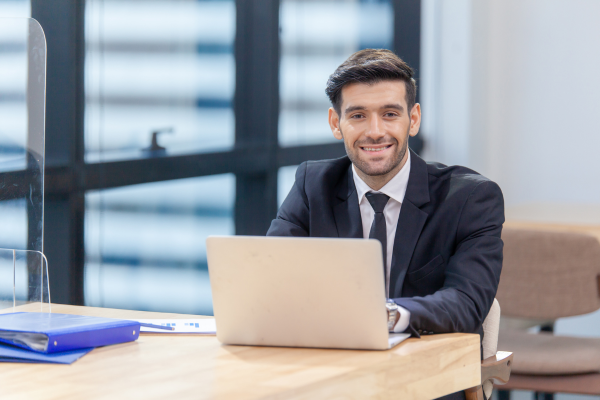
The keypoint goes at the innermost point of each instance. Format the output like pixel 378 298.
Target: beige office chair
pixel 495 365
pixel 548 275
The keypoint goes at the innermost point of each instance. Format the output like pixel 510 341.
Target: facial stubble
pixel 364 167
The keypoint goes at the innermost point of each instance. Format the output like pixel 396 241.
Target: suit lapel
pixel 410 223
pixel 347 212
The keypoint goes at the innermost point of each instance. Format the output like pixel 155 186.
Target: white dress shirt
pixel 395 189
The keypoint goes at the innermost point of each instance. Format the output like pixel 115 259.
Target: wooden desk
pixel 167 366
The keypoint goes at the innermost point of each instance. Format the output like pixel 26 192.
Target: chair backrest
pixel 548 274
pixel 491 327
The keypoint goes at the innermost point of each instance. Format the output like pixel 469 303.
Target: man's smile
pixel 375 148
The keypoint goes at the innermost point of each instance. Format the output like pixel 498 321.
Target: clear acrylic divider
pixel 22 140
pixel 23 266
pixel 24 280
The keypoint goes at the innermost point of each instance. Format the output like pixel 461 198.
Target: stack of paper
pixel 203 326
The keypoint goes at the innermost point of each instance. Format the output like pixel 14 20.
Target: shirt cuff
pixel 403 321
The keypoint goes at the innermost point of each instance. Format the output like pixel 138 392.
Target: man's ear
pixel 334 124
pixel 415 120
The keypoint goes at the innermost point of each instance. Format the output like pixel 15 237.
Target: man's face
pixel 375 124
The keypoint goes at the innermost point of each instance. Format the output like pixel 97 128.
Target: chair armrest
pixel 497 367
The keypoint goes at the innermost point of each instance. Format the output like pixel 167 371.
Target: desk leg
pixel 474 393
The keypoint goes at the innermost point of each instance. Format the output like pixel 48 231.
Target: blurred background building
pixel 168 121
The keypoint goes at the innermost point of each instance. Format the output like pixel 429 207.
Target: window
pixel 316 37
pixel 13 120
pixel 158 66
pixel 285 180
pixel 145 244
pixel 235 107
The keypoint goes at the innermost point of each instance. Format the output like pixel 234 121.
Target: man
pixel 439 226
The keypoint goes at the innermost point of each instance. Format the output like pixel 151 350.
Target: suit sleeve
pixel 472 272
pixel 293 215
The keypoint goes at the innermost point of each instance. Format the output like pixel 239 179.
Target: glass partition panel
pixel 22 116
pixel 160 78
pixel 316 37
pixel 24 279
pixel 145 244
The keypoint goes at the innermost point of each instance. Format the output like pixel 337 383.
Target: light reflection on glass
pixel 316 37
pixel 13 87
pixel 145 244
pixel 16 123
pixel 286 176
pixel 170 68
pixel 13 229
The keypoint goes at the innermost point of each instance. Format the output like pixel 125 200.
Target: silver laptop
pixel 299 292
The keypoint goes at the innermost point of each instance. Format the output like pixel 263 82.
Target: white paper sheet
pixel 397 338
pixel 204 326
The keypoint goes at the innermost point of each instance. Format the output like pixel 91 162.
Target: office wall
pixel 510 88
pixel 445 79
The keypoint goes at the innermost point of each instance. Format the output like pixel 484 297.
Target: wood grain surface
pixel 167 366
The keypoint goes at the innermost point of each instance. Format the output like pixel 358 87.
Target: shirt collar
pixel 395 188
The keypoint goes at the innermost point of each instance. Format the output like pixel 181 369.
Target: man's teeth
pixel 375 149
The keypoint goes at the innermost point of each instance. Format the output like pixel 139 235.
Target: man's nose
pixel 375 130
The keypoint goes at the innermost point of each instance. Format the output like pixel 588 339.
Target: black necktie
pixel 378 228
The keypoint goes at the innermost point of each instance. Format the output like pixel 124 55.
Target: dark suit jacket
pixel 447 251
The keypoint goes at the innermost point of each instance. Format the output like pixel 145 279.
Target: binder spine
pixel 93 337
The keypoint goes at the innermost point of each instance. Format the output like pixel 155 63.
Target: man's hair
pixel 370 66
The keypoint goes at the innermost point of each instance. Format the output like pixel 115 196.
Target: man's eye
pixel 357 116
pixel 391 114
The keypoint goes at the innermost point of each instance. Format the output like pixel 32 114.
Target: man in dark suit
pixel 439 226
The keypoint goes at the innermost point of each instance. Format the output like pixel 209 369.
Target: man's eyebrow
pixel 387 106
pixel 354 108
pixel 394 107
